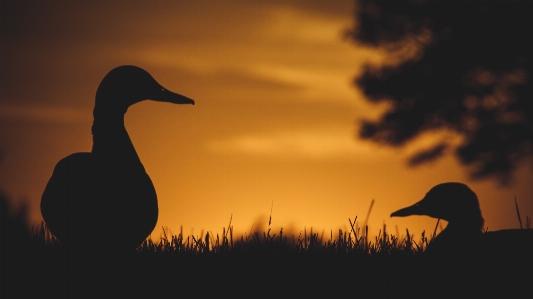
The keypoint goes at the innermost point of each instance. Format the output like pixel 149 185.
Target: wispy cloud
pixel 44 114
pixel 320 143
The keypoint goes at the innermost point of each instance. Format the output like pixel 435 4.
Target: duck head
pixel 453 202
pixel 126 85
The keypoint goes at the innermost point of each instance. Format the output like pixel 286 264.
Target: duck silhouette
pixel 455 203
pixel 104 200
pixel 465 255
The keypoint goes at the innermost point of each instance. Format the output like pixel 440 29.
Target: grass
pixel 354 241
pixel 221 264
pixel 257 264
pixel 347 242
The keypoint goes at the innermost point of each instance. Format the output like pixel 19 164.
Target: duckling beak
pixel 415 209
pixel 168 96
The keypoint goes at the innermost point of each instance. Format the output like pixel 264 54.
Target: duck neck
pixel 110 138
pixel 470 226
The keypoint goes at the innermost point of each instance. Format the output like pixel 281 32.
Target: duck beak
pixel 170 97
pixel 408 211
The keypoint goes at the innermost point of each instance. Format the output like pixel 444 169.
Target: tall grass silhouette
pixel 257 263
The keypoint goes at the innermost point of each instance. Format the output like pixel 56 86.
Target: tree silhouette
pixel 470 75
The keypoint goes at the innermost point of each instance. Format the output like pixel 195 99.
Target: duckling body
pixel 104 199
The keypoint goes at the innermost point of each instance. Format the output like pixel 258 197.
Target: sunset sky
pixel 274 126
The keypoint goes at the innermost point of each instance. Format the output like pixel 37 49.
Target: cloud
pixel 44 114
pixel 317 144
pixel 316 84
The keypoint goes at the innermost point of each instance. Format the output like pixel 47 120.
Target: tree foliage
pixel 471 75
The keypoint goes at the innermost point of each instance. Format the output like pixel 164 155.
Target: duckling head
pixel 126 85
pixel 453 202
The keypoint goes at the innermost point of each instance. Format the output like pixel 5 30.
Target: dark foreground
pixel 258 266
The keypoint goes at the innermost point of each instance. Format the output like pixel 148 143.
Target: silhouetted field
pixel 258 264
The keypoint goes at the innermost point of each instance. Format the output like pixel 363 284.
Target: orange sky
pixel 275 118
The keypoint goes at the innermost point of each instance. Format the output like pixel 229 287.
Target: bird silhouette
pixel 455 203
pixel 104 201
pixel 465 255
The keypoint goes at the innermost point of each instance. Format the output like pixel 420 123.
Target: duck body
pixel 93 203
pixel 104 200
pixel 463 256
pixel 459 205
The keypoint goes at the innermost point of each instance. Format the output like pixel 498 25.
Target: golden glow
pixel 274 120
